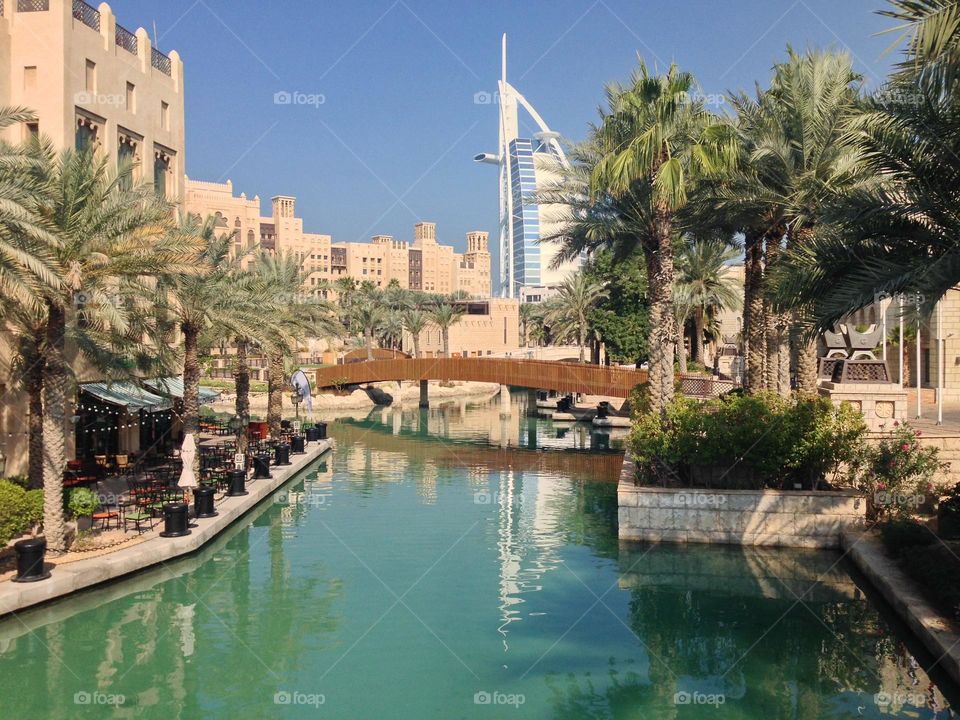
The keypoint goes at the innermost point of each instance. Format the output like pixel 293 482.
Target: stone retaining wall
pixel 735 517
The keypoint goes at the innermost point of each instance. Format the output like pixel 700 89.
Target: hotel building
pixel 90 82
pixel 423 264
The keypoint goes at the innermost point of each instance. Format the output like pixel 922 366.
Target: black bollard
pixel 311 434
pixel 321 431
pixel 30 554
pixel 281 454
pixel 238 483
pixel 175 520
pixel 203 501
pixel 261 466
pixel 297 446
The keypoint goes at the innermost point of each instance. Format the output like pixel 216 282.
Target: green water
pixel 422 571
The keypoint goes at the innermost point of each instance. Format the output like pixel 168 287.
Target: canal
pixel 450 563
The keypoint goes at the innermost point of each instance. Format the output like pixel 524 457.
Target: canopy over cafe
pixel 124 418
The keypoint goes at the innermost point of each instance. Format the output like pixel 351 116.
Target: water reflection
pixel 414 567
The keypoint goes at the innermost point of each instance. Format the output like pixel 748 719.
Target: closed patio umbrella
pixel 188 452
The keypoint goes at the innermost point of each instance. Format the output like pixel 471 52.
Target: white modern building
pixel 527 165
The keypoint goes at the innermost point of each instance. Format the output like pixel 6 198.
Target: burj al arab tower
pixel 526 166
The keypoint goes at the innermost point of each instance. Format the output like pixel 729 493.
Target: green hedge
pixel 19 510
pixel 937 569
pixel 746 442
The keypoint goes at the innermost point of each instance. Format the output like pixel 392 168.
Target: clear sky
pixel 393 140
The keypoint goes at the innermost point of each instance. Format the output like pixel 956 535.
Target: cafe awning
pixel 173 387
pixel 157 395
pixel 127 395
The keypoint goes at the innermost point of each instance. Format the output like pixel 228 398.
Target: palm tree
pixel 527 313
pixel 444 316
pixel 367 312
pixel 415 322
pixel 654 140
pixel 899 234
pixel 682 309
pixel 109 242
pixel 807 159
pixel 570 307
pixel 706 285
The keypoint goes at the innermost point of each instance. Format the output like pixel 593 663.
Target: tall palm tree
pixel 654 140
pixel 703 274
pixel 109 243
pixel 367 312
pixel 682 309
pixel 415 322
pixel 900 233
pixel 444 316
pixel 807 159
pixel 570 307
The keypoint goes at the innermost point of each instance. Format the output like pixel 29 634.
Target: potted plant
pixel 948 515
pixel 83 503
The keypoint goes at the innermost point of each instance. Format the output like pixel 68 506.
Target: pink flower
pixel 905 447
pixel 919 433
pixel 896 423
pixel 881 486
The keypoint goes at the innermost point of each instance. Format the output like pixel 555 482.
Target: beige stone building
pixel 90 82
pixel 487 327
pixel 93 82
pixel 423 264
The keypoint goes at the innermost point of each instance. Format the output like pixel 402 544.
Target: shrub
pixel 898 473
pixel 19 510
pixel 937 569
pixel 902 533
pixel 754 441
pixel 83 502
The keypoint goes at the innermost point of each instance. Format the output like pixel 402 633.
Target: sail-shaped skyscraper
pixel 526 165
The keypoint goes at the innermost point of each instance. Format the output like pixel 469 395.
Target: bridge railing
pixel 541 374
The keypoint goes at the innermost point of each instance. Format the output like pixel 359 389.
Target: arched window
pixel 251 239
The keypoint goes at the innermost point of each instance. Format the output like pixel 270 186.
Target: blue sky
pixel 393 141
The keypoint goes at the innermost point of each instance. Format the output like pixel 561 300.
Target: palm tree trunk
pixel 754 326
pixel 698 329
pixel 275 383
pixel 445 332
pixel 663 289
pixel 416 345
pixel 368 341
pixel 56 383
pixel 241 379
pixel 777 339
pixel 35 377
pixel 191 386
pixel 654 342
pixel 582 338
pixel 681 348
pixel 807 361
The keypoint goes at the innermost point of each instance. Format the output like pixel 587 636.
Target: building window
pixel 87 136
pixel 127 147
pixel 32 131
pixel 91 77
pixel 164 115
pixel 162 170
pixel 29 78
pixel 131 98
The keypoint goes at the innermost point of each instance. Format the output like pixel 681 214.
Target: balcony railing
pixel 33 5
pixel 87 14
pixel 126 40
pixel 1 8
pixel 160 61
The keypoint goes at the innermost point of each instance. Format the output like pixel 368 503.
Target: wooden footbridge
pixel 535 374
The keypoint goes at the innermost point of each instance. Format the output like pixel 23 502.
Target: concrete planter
pixel 736 517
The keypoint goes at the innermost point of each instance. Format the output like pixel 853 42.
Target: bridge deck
pixel 544 375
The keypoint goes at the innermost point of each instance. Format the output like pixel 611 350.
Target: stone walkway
pixel 70 577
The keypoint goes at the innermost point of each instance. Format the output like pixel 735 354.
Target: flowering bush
pixel 898 473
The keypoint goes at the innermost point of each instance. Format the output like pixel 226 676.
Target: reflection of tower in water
pixel 528 542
